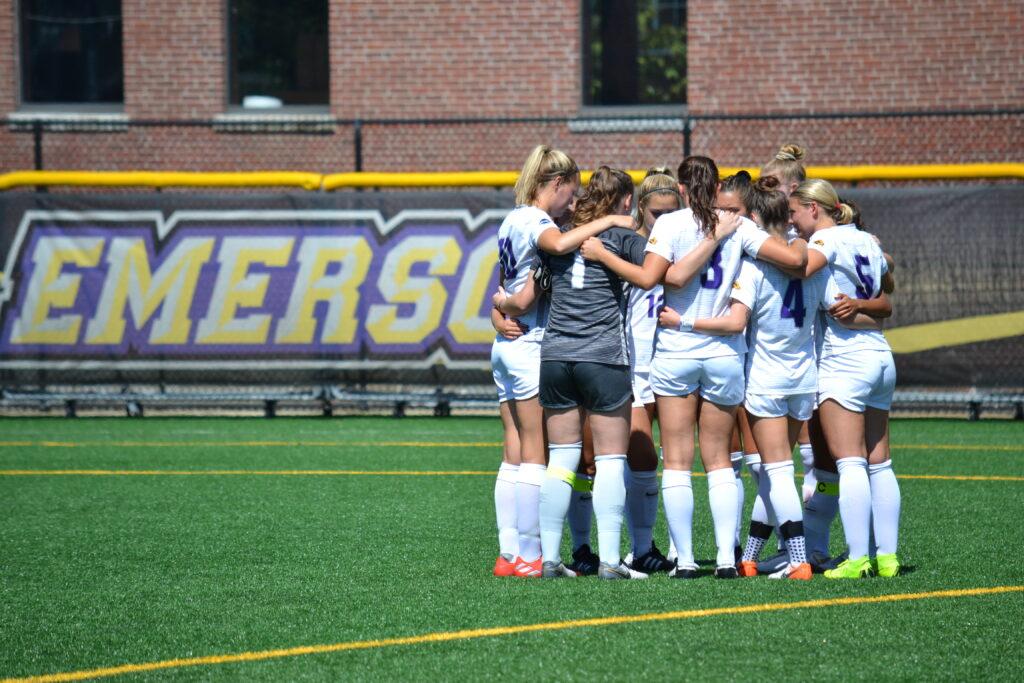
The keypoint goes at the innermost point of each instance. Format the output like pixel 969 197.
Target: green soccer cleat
pixel 886 566
pixel 859 568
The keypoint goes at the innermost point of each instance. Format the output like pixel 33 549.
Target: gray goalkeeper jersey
pixel 587 318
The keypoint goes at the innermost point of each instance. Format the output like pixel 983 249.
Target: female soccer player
pixel 856 379
pixel 686 361
pixel 545 188
pixel 658 194
pixel 781 380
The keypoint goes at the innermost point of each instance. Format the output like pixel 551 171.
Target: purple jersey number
pixel 867 283
pixel 654 304
pixel 793 303
pixel 507 259
pixel 712 277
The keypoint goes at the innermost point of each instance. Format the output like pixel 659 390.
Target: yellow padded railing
pixel 334 181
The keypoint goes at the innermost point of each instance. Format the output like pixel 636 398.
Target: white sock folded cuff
pixel 508 472
pixel 673 478
pixel 879 467
pixel 752 458
pixel 722 477
pixel 532 473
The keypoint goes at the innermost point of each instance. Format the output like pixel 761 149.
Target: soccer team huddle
pixel 745 314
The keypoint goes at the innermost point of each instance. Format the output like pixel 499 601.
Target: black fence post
pixel 37 144
pixel 357 143
pixel 37 149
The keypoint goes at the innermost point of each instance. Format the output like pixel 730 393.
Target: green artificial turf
pixel 99 571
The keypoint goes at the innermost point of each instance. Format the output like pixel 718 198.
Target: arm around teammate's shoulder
pixel 554 241
pixel 792 257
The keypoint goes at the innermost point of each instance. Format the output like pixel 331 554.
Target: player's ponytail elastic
pixel 821 192
pixel 543 165
pixel 700 176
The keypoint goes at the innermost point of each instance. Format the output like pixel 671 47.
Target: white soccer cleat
pixel 606 571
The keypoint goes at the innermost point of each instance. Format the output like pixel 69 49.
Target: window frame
pixel 236 112
pixel 598 111
pixel 101 110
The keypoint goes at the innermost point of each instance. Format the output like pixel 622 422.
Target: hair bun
pixel 659 170
pixel 767 183
pixel 790 152
pixel 743 175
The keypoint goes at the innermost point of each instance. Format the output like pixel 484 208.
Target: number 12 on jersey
pixel 793 303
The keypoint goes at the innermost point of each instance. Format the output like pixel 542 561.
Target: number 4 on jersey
pixel 793 303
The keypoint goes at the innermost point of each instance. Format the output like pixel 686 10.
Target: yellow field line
pixel 470 634
pixel 381 473
pixel 251 444
pixel 403 444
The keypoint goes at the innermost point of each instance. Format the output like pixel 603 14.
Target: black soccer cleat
pixel 652 561
pixel 727 571
pixel 584 561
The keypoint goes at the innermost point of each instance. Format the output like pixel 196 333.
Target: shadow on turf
pixel 707 568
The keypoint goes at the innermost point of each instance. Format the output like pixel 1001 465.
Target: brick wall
pixel 483 58
pixel 848 55
pixel 408 58
pixel 174 58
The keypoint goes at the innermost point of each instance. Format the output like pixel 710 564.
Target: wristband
pixel 686 324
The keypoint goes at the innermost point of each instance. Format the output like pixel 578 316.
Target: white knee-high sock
pixel 820 511
pixel 609 506
pixel 555 494
pixel 855 503
pixel 505 509
pixel 677 497
pixel 531 476
pixel 807 458
pixel 885 506
pixel 789 512
pixel 722 496
pixel 641 508
pixel 736 458
pixel 581 510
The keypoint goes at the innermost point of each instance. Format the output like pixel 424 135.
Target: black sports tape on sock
pixel 760 530
pixel 791 529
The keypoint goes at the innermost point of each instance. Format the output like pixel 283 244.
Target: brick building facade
pixel 485 59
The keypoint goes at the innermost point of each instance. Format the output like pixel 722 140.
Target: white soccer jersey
pixel 517 254
pixel 857 266
pixel 643 323
pixel 706 296
pixel 780 333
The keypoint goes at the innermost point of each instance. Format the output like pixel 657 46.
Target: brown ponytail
pixel 700 176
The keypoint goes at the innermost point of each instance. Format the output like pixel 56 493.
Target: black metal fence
pixel 326 144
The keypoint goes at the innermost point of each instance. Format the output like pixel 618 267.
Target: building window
pixel 71 52
pixel 278 53
pixel 634 52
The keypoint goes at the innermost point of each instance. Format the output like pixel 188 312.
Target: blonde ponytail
pixel 822 193
pixel 543 165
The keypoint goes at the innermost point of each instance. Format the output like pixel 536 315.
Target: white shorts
pixel 720 380
pixel 642 393
pixel 515 365
pixel 858 380
pixel 796 406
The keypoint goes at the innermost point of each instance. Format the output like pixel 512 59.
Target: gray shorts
pixel 598 387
